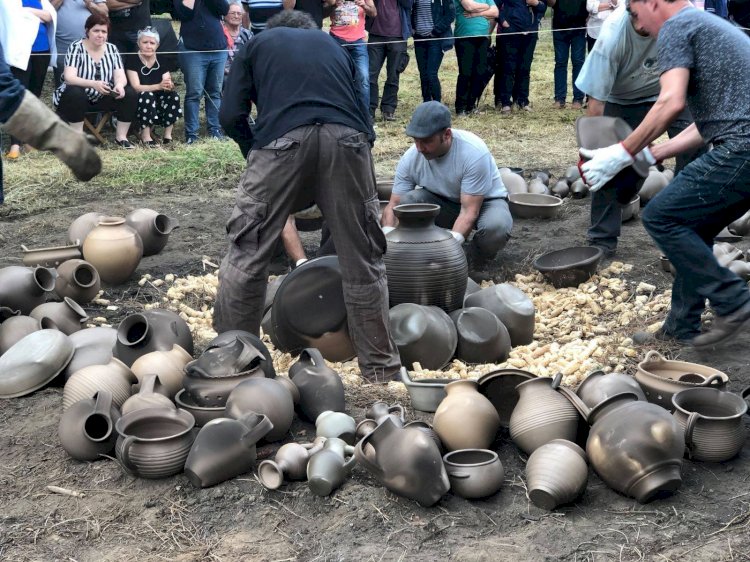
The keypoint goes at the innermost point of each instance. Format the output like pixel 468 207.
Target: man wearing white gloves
pixel 704 62
pixel 455 170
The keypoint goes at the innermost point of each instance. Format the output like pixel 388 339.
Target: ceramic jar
pixel 114 377
pixel 424 263
pixel 465 419
pixel 290 463
pixel 114 249
pixel 153 228
pixel 423 334
pixel 147 397
pixel 320 387
pixel 93 346
pixel 482 338
pixel 15 328
pixel 556 474
pixel 33 362
pixel 169 365
pixel 77 279
pixel 375 416
pixel 24 288
pixel 336 424
pixel 511 306
pixel 79 229
pixel 599 386
pixel 327 469
pixel 87 429
pixel 157 329
pixel 263 396
pixel 66 316
pixel 266 363
pixel 474 473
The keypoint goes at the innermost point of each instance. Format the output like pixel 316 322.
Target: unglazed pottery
pixel 263 396
pixel 569 267
pixel 15 328
pixel 471 287
pixel 52 256
pixel 425 394
pixel 514 183
pixel 114 377
pixel 474 473
pixel 77 279
pixel 556 474
pixel 153 228
pixel 578 189
pixel 482 338
pixel 320 387
pixel 266 363
pixel 534 205
pixel 336 424
pixel 465 419
pixel 24 288
pixel 114 249
pixel 511 306
pixel 93 346
pixel 378 412
pixel 328 468
pixel 654 183
pixel 384 187
pixel 147 397
pixel 599 386
pixel 561 189
pixel 202 414
pixel 290 463
pixel 500 388
pixel 87 429
pixel 33 362
pixel 572 174
pixel 423 334
pixel 157 329
pixel 66 316
pixel 631 209
pixel 80 228
pixel 537 186
pixel 169 365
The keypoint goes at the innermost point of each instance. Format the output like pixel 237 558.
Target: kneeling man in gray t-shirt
pixel 455 170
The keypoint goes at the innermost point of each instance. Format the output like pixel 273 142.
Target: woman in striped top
pixel 94 80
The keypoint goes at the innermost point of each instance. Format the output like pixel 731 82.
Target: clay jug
pixel 290 463
pixel 328 468
pixel 474 473
pixel 79 229
pixel 114 249
pixel 87 429
pixel 466 419
pixel 157 329
pixel 556 474
pixel 423 334
pixel 67 316
pixel 225 448
pixel 482 338
pixel 153 228
pixel 336 424
pixel 320 387
pixel 511 306
pixel 425 264
pixel 542 414
pixel 405 460
pixel 77 279
pixel 266 364
pixel 514 183
pixel 24 288
pixel 15 328
pixel 263 396
pixel 169 365
pixel 147 397
pixel 114 377
pixel 375 416
pixel 93 346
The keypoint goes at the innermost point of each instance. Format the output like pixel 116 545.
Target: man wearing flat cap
pixel 454 169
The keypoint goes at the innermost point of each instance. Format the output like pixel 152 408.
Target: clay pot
pixel 471 287
pixel 425 394
pixel 538 187
pixel 465 419
pixel 79 229
pixel 25 288
pixel 514 183
pixel 542 414
pixel 114 377
pixel 263 396
pixel 66 316
pixel 405 460
pixel 474 473
pixel 741 226
pixel 77 279
pixel 114 249
pixel 147 397
pixel 87 429
pixel 482 338
pixel 202 414
pixel 511 306
pixel 154 443
pixel 578 189
pixel 542 177
pixel 266 364
pixel 500 388
pixel 599 386
pixel 631 209
pixel 572 174
pixel 153 330
pixel 661 379
pixel 15 328
pixel 556 474
pixel 561 189
pixel 51 256
pixel 33 362
pixel 384 187
pixel 424 263
pixel 327 469
pixel 93 346
pixel 378 412
pixel 712 421
pixel 336 424
pixel 320 387
pixel 225 448
pixel 290 463
pixel 169 365
pixel 423 334
pixel 153 228
pixel 654 183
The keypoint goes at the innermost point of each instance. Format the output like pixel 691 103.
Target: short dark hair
pixel 292 18
pixel 97 19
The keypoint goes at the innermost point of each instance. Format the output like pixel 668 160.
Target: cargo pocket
pixel 378 243
pixel 243 232
pixel 283 146
pixel 356 141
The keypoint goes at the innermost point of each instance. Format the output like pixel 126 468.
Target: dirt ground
pixel 123 518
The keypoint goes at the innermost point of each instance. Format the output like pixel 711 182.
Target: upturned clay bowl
pixel 569 267
pixel 511 306
pixel 33 362
pixel 93 346
pixel 482 338
pixel 534 205
pixel 474 473
pixel 426 394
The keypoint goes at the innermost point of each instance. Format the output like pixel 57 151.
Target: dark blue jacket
pixel 201 28
pixel 443 14
pixel 519 16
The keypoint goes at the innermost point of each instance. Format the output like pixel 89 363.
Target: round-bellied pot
pixel 599 386
pixel 154 229
pixel 474 473
pixel 79 229
pixel 15 328
pixel 169 365
pixel 263 396
pixel 25 288
pixel 147 397
pixel 465 419
pixel 157 329
pixel 66 316
pixel 87 429
pixel 336 424
pixel 114 377
pixel 114 249
pixel 77 279
pixel 556 474
pixel 423 334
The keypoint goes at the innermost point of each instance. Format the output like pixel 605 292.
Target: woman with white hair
pixel 158 102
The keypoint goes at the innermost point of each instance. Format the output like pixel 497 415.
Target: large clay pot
pixel 511 306
pixel 87 429
pixel 423 334
pixel 24 288
pixel 556 474
pixel 66 316
pixel 114 377
pixel 290 463
pixel 266 363
pixel 79 229
pixel 263 396
pixel 225 448
pixel 147 397
pixel 153 228
pixel 114 249
pixel 425 264
pixel 33 362
pixel 465 419
pixel 320 387
pixel 514 183
pixel 93 346
pixel 157 329
pixel 406 460
pixel 169 365
pixel 474 473
pixel 482 338
pixel 336 424
pixel 599 386
pixel 77 279
pixel 15 328
pixel 328 468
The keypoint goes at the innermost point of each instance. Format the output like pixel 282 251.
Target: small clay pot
pixel 266 363
pixel 511 306
pixel 263 396
pixel 556 474
pixel 15 328
pixel 482 338
pixel 336 424
pixel 25 288
pixel 378 412
pixel 147 397
pixel 537 186
pixel 579 190
pixel 79 229
pixel 328 468
pixel 474 473
pixel 202 414
pixel 320 387
pixel 423 334
pixel 153 228
pixel 561 189
pixel 157 329
pixel 87 429
pixel 66 316
pixel 114 377
pixel 599 386
pixel 169 365
pixel 93 346
pixel 290 463
pixel 572 174
pixel 77 279
pixel 33 362
pixel 465 419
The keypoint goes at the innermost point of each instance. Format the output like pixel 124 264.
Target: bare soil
pixel 123 518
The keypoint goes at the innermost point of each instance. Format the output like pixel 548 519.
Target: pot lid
pixel 33 362
pixel 599 132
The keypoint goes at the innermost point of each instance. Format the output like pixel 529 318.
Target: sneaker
pixel 724 328
pixel 388 116
pixel 125 143
pixel 191 140
pixel 577 104
pixel 219 136
pixel 14 153
pixel 505 110
pixel 559 104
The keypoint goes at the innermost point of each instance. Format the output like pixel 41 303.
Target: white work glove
pixel 458 236
pixel 387 229
pixel 605 163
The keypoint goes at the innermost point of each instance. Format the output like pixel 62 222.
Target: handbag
pixel 403 62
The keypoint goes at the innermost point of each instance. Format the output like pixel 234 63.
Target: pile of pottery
pixel 733 258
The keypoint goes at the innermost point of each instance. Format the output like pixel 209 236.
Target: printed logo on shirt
pixel 651 66
pixel 346 13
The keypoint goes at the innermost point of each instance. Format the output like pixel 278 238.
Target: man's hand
pixel 603 164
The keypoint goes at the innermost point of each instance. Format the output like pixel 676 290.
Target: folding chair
pixel 99 118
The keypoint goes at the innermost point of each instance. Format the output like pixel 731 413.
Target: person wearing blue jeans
pixel 358 51
pixel 431 22
pixel 569 40
pixel 348 29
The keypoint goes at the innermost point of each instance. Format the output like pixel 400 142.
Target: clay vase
pixel 474 473
pixel 225 448
pixel 25 288
pixel 482 338
pixel 320 387
pixel 114 377
pixel 77 279
pixel 266 364
pixel 713 423
pixel 87 429
pixel 378 412
pixel 154 443
pixel 93 346
pixel 561 189
pixel 511 306
pixel 147 397
pixel 157 329
pixel 542 414
pixel 15 328
pixel 556 474
pixel 655 182
pixel 114 249
pixel 536 185
pixel 406 460
pixel 514 183
pixel 169 365
pixel 153 228
pixel 336 424
pixel 263 396
pixel 328 468
pixel 424 263
pixel 465 419
pixel 423 334
pixel 67 316
pixel 79 229
pixel 290 463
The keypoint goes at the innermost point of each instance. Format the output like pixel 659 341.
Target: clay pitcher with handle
pixel 328 468
pixel 290 463
pixel 24 288
pixel 320 387
pixel 87 429
pixel 77 279
pixel 153 228
pixel 147 397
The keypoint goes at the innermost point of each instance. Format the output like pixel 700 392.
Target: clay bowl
pixel 534 205
pixel 202 414
pixel 500 388
pixel 632 209
pixel 474 473
pixel 426 394
pixel 569 267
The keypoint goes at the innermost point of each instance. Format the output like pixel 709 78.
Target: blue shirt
pixel 41 43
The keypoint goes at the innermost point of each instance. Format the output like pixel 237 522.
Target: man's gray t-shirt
pixel 468 168
pixel 718 57
pixel 71 17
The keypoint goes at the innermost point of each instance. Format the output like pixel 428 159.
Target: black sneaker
pixel 125 143
pixel 724 328
pixel 387 116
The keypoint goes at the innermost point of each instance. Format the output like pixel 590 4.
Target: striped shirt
pixel 261 11
pixel 88 69
pixel 423 17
